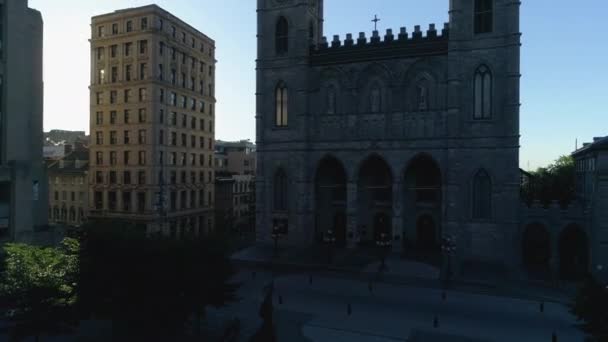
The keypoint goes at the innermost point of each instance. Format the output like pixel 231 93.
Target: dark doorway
pixel 340 227
pixel 423 181
pixel 382 224
pixel 330 200
pixel 573 253
pixel 426 235
pixel 536 250
pixel 374 195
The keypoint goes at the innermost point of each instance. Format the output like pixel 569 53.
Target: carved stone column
pixel 352 233
pixel 397 220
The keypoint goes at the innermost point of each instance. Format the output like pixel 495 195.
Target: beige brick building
pixel 152 121
pixel 23 185
pixel 69 189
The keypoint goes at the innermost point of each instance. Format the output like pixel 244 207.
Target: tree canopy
pixel 553 183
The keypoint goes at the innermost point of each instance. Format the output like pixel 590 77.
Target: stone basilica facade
pixel 408 133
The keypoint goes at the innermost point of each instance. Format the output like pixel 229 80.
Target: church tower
pixel 286 31
pixel 483 109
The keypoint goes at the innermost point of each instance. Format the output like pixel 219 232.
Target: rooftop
pixel 599 143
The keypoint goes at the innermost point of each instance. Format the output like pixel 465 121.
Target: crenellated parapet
pixel 553 212
pixel 390 45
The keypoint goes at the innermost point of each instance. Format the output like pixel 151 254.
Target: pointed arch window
pixel 375 99
pixel 483 93
pixel 422 96
pixel 482 196
pixel 280 190
pixel 282 36
pixel 281 106
pixel 483 16
pixel 330 100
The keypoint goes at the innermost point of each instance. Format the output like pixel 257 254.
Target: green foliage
pixel 152 287
pixel 38 287
pixel 553 183
pixel 590 307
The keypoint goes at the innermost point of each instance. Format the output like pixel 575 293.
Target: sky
pixel 563 85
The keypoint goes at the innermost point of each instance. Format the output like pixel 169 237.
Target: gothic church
pixel 410 133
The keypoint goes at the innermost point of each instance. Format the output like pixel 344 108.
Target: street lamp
pixel 448 246
pixel 330 240
pixel 384 243
pixel 276 235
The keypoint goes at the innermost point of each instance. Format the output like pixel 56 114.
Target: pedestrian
pixel 280 299
pixel 542 306
pixel 554 337
pixel 349 309
pixel 435 322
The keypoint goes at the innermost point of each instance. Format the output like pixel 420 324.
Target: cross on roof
pixel 375 21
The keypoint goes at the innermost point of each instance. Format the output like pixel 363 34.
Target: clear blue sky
pixel 564 84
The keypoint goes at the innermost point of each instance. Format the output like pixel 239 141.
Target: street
pixel 318 312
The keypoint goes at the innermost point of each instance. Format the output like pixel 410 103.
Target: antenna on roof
pixel 576 144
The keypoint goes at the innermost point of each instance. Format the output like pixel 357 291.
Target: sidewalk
pixel 364 265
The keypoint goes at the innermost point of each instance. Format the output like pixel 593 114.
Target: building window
pixel 114 75
pixel 174 118
pixel 99 118
pixel 99 158
pixel 128 72
pixel 142 115
pixel 126 201
pixel 482 196
pixel 113 158
pixel 282 36
pixel 127 96
pixel 141 177
pixel 99 138
pixel 99 177
pixel 161 137
pixel 144 23
pixel 281 106
pixel 127 114
pixel 331 100
pixel 113 177
pixel 127 51
pixel 143 71
pixel 173 99
pixel 141 202
pixel 113 139
pixel 375 99
pixel 126 177
pixel 184 138
pixel 98 199
pixel 143 47
pixel 113 96
pixel 142 136
pixel 280 191
pixel 422 96
pixel 114 28
pixel 113 51
pixel 126 157
pixel 483 16
pixel 129 26
pixel 102 76
pixel 101 31
pixel 483 93
pixel 100 53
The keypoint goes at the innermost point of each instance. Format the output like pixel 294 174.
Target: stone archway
pixel 374 195
pixel 536 250
pixel 573 253
pixel 422 205
pixel 330 200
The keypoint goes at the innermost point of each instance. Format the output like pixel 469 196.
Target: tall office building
pixel 23 194
pixel 152 121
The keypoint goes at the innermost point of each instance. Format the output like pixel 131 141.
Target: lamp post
pixel 384 243
pixel 276 235
pixel 448 247
pixel 330 240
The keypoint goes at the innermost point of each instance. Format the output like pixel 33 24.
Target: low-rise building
pixel 235 202
pixel 68 189
pixel 235 157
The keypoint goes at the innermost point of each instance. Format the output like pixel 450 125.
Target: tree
pixel 590 306
pixel 553 183
pixel 38 288
pixel 150 287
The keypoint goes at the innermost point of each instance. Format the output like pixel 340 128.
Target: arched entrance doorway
pixel 330 200
pixel 536 250
pixel 374 197
pixel 422 205
pixel 382 224
pixel 426 237
pixel 573 253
